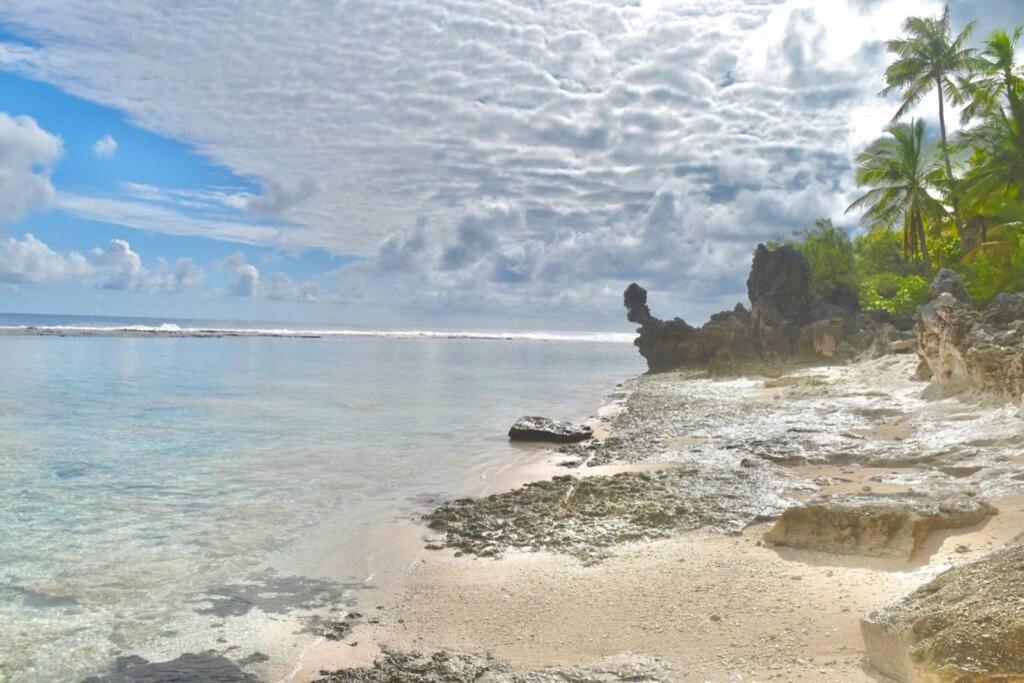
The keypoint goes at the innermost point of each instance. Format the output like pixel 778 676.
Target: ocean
pixel 183 495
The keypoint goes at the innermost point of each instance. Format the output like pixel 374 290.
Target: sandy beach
pixel 698 604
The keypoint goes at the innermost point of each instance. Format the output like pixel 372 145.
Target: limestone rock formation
pixel 966 625
pixel 784 323
pixel 874 525
pixel 546 429
pixel 965 348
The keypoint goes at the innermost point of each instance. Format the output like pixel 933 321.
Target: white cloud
pixel 30 260
pixel 27 156
pixel 105 147
pixel 154 217
pixel 122 269
pixel 504 151
pixel 247 280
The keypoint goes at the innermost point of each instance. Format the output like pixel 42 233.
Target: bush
pixel 986 280
pixel 829 252
pixel 880 252
pixel 897 294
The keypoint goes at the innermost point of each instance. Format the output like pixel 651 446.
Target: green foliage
pixel 880 252
pixel 900 170
pixel 988 276
pixel 899 295
pixel 830 254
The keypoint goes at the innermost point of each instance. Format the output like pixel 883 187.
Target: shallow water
pixel 165 496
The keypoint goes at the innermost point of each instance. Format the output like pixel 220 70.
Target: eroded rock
pixel 453 667
pixel 966 625
pixel 546 429
pixel 963 348
pixel 783 324
pixel 874 525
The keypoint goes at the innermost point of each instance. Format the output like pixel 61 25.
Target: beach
pixel 616 592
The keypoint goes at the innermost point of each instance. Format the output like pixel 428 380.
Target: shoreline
pixel 688 600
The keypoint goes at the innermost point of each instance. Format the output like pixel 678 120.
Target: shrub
pixel 897 294
pixel 829 253
pixel 880 252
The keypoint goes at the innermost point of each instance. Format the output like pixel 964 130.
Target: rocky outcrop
pixel 546 429
pixel 966 625
pixel 393 666
pixel 874 525
pixel 964 348
pixel 783 323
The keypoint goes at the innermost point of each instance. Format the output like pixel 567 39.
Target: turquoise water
pixel 164 496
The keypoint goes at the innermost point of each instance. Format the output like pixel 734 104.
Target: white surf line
pixel 486 477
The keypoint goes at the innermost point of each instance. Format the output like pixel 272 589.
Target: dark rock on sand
pixel 966 625
pixel 546 429
pixel 964 348
pixel 783 324
pixel 207 667
pixel 584 517
pixel 400 667
pixel 875 525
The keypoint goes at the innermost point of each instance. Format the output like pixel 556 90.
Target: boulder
pixel 546 429
pixel 966 625
pixel 779 280
pixel 874 525
pixel 964 348
pixel 948 282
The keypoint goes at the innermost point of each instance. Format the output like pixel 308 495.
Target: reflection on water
pixel 165 496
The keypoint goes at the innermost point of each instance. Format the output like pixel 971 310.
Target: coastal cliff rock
pixel 546 429
pixel 874 525
pixel 783 323
pixel 966 625
pixel 964 348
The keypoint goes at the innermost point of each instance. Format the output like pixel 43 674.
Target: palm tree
pixel 994 116
pixel 900 168
pixel 996 75
pixel 929 57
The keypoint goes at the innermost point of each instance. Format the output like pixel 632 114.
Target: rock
pixel 874 525
pixel 635 301
pixel 962 348
pixel 546 429
pixel 779 280
pixel 966 625
pixel 456 667
pixel 782 324
pixel 948 282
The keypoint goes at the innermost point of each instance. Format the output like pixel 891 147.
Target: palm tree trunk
pixel 949 166
pixel 923 242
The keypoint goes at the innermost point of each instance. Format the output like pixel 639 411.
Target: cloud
pixel 29 260
pixel 152 216
pixel 276 286
pixel 122 269
pixel 105 147
pixel 504 152
pixel 27 157
pixel 247 280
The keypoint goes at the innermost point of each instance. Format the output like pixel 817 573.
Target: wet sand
pixel 710 606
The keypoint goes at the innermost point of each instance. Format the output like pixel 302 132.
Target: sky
pixel 472 164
